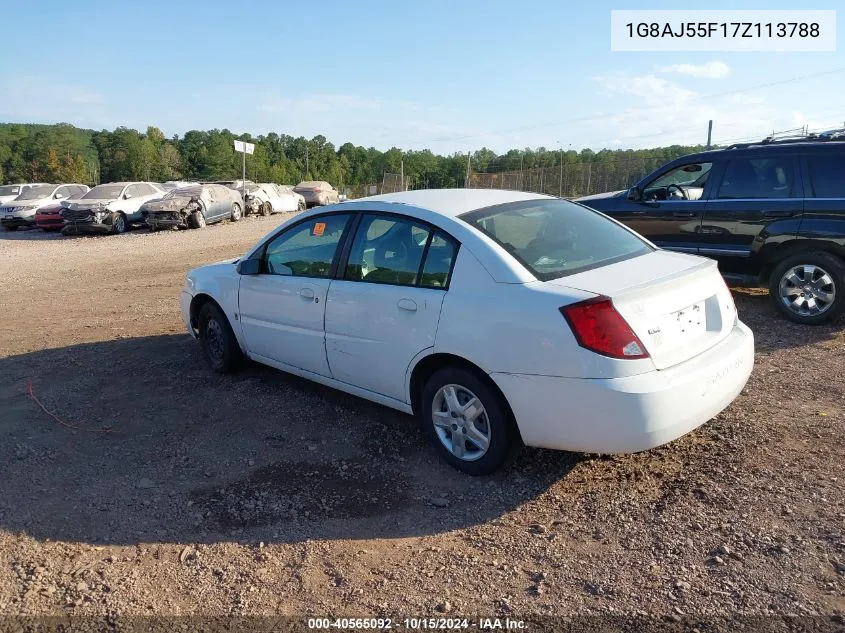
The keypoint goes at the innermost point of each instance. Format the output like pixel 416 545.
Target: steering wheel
pixel 679 188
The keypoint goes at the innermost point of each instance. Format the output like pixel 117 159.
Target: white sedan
pixel 496 317
pixel 266 198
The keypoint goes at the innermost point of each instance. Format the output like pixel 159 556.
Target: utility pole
pixel 469 156
pixel 306 160
pixel 709 132
pixel 560 181
pixel 402 175
pixel 521 168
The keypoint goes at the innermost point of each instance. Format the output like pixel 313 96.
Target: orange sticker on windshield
pixel 319 228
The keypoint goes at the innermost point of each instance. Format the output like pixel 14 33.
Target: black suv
pixel 772 213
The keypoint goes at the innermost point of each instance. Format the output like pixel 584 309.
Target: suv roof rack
pixel 837 134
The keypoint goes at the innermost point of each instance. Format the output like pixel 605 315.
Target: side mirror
pixel 635 194
pixel 249 267
pixel 126 196
pixel 59 196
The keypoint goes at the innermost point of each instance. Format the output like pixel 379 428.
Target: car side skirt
pixel 335 384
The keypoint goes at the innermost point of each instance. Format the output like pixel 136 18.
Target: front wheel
pixel 196 220
pixel 467 421
pixel 118 225
pixel 219 345
pixel 266 209
pixel 809 288
pixel 236 212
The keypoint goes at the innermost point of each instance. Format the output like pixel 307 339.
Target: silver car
pixel 317 192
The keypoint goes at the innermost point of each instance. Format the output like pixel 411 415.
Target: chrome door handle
pixel 307 294
pixel 683 214
pixel 407 304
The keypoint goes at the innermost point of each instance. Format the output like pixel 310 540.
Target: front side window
pixel 387 250
pixel 827 175
pixel 306 249
pixel 757 178
pixel 685 182
pixel 554 238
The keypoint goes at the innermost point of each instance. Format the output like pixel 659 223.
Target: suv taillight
pixel 598 327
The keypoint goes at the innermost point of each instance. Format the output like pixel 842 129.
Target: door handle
pixel 779 214
pixel 407 304
pixel 683 214
pixel 307 294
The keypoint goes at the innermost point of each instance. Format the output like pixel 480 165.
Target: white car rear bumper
pixel 636 413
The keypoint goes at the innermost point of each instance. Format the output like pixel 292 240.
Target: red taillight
pixel 599 328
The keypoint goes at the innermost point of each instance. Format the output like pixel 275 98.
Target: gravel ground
pixel 165 489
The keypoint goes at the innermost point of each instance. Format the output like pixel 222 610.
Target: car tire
pixel 236 212
pixel 118 224
pixel 219 345
pixel 196 220
pixel 809 288
pixel 494 422
pixel 301 206
pixel 266 209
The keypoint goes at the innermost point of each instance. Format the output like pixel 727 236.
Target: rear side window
pixel 554 238
pixel 827 175
pixel 758 178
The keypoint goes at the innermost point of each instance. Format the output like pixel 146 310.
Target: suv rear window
pixel 555 238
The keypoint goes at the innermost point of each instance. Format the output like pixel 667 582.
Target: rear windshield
pixel 36 192
pixel 554 238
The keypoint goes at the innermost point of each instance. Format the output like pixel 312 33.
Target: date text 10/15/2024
pixel 443 624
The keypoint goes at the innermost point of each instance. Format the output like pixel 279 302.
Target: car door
pixel 755 195
pixel 384 307
pixel 282 309
pixel 133 198
pixel 670 206
pixel 213 203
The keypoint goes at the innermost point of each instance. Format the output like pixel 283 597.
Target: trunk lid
pixel 677 305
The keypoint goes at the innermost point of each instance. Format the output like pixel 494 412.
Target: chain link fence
pixel 569 181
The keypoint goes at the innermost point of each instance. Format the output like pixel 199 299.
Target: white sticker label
pixel 728 30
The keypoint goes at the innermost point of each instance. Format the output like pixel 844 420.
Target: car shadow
pixel 26 233
pixel 757 312
pixel 134 440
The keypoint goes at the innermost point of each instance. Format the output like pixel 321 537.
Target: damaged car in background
pixel 22 211
pixel 110 208
pixel 193 207
pixel 317 192
pixel 266 198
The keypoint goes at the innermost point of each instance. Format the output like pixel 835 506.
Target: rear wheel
pixel 809 287
pixel 236 212
pixel 266 209
pixel 196 220
pixel 467 421
pixel 301 205
pixel 219 345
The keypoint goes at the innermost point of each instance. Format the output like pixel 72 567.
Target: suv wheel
pixel 809 287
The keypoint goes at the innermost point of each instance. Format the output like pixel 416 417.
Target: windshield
pixel 554 238
pixel 39 191
pixel 10 190
pixel 104 192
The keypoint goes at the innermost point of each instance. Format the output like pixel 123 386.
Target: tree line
pixel 65 153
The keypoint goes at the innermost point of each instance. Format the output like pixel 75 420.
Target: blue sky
pixel 447 75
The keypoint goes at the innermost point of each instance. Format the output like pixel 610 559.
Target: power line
pixel 597 117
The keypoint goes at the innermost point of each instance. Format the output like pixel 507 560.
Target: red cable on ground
pixel 75 427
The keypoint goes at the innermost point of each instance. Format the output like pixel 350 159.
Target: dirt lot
pixel 183 492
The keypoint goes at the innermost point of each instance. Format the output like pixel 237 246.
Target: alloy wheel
pixel 807 290
pixel 461 423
